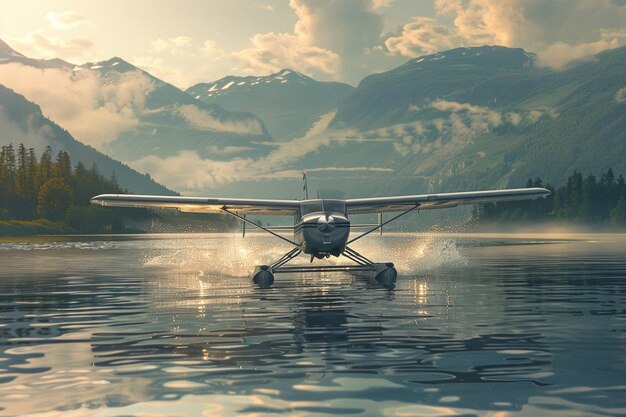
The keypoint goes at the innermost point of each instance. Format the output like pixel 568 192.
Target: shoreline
pixel 478 234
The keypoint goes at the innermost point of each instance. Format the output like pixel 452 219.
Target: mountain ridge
pixel 8 54
pixel 288 101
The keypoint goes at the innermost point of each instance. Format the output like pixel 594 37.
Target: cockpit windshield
pixel 311 206
pixel 315 206
pixel 335 206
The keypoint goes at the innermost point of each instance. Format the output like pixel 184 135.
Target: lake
pixel 170 325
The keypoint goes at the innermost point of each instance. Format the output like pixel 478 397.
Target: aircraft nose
pixel 325 223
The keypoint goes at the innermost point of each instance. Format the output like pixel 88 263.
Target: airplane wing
pixel 200 204
pixel 445 200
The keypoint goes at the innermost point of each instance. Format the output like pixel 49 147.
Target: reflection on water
pixel 170 325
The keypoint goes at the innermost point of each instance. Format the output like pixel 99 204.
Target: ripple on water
pixel 153 327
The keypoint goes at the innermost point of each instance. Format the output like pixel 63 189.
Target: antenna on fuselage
pixel 305 188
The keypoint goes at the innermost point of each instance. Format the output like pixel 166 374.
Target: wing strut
pixel 243 219
pixel 356 257
pixel 380 225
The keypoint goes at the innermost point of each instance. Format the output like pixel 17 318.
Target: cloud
pixel 68 19
pixel 271 52
pixel 413 108
pixel 205 119
pixel 584 27
pixel 294 173
pixel 170 59
pixel 154 66
pixel 514 118
pixel 423 36
pixel 188 172
pixel 459 124
pixel 30 136
pixel 209 48
pixel 484 22
pixel 347 27
pixel 331 39
pixel 41 45
pixel 481 118
pixel 267 7
pixel 170 72
pixel 559 54
pixel 173 46
pixel 93 111
pixel 351 29
pixel 377 4
pixel 620 96
pixel 227 150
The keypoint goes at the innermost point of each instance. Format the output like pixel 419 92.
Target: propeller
pixel 325 223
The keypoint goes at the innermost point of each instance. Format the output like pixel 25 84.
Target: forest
pixel 49 195
pixel 581 200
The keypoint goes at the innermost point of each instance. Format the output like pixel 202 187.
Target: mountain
pixel 484 75
pixel 130 114
pixel 463 119
pixel 8 54
pixel 287 101
pixel 21 121
pixel 171 121
pixel 469 118
pixel 489 116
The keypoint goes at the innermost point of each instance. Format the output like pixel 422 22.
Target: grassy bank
pixel 32 227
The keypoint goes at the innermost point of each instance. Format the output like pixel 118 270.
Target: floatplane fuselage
pixel 322 227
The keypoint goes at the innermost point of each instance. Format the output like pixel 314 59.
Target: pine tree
pixel 63 166
pixel 7 179
pixel 45 166
pixel 24 185
pixel 55 198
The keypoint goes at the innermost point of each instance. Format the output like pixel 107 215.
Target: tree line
pixel 581 200
pixel 50 188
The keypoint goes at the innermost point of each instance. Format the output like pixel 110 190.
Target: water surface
pixel 487 325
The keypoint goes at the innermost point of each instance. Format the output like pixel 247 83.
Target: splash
pixel 231 255
pixel 414 253
pixel 225 255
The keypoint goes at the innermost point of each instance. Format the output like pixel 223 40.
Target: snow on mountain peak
pixel 494 55
pixel 232 83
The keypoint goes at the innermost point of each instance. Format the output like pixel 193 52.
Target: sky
pixel 190 41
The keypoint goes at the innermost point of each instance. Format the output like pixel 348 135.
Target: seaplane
pixel 321 226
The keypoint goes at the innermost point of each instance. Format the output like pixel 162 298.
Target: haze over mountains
pixel 169 121
pixel 125 111
pixel 287 101
pixel 22 122
pixel 461 119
